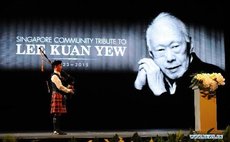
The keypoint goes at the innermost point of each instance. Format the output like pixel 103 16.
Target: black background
pixel 103 100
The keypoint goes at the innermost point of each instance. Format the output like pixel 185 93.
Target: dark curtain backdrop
pixel 105 97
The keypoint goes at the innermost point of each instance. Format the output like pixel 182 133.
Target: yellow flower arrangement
pixel 208 82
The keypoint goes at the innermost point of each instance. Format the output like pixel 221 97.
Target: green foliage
pixel 73 139
pixel 178 137
pixel 95 140
pixel 136 138
pixel 9 138
pixel 159 139
pixel 227 134
pixel 115 138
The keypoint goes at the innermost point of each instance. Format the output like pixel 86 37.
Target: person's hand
pixel 71 91
pixel 70 87
pixel 149 71
pixel 140 79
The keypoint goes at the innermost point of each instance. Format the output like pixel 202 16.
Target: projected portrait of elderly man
pixel 170 51
pixel 166 73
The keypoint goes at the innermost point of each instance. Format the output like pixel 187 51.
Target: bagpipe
pixel 67 79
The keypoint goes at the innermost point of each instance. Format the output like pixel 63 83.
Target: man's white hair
pixel 167 16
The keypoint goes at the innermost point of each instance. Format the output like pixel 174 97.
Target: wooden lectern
pixel 205 112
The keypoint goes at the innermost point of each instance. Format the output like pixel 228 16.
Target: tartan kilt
pixel 57 104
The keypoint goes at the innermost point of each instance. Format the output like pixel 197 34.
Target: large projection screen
pixel 102 55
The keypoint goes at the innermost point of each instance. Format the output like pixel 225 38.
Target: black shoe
pixel 59 132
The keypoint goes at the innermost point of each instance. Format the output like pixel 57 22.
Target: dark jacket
pixel 177 111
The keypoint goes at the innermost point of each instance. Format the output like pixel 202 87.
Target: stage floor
pixel 91 134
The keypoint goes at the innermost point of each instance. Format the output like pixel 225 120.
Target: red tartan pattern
pixel 57 104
